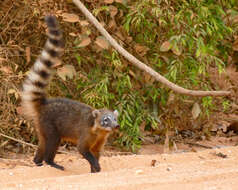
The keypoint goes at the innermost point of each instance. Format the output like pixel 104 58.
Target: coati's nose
pixel 117 126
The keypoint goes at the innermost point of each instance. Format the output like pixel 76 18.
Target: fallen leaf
pixel 196 110
pixel 66 71
pixel 102 42
pixel 67 17
pixel 85 42
pixel 165 46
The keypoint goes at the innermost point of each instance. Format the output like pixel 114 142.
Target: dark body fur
pixel 59 119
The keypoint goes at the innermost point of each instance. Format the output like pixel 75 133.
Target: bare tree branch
pixel 141 65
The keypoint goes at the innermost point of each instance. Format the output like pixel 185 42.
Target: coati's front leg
pixel 84 149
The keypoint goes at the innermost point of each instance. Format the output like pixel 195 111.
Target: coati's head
pixel 106 119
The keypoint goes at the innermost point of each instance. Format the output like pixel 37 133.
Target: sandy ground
pixel 202 169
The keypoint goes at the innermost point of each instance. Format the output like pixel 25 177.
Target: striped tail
pixel 33 94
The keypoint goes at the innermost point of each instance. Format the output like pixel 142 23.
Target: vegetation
pixel 184 40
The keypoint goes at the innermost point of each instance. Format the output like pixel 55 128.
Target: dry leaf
pixel 102 42
pixel 235 19
pixel 235 45
pixel 132 74
pixel 196 110
pixel 176 50
pixel 153 162
pixel 112 25
pixel 11 91
pixel 120 35
pixel 14 92
pixel 67 17
pixel 166 143
pixel 113 11
pixel 72 34
pixel 85 42
pixel 59 12
pixel 84 23
pixel 66 71
pixel 2 59
pixel 148 78
pixel 142 126
pixel 6 69
pixel 165 46
pixel 108 1
pixel 120 1
pixel 20 110
pixel 28 54
pixel 171 98
pixel 141 50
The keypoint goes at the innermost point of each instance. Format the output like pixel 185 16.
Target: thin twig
pixel 141 65
pixel 199 145
pixel 28 144
pixel 18 140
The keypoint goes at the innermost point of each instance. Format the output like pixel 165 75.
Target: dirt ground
pixel 188 167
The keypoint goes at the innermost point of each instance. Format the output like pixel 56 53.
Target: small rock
pixel 139 171
pixel 169 169
pixel 153 162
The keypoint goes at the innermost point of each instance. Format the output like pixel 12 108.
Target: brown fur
pixel 59 119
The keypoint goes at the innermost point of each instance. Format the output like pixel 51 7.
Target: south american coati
pixel 61 118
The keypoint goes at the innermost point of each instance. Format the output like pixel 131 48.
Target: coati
pixel 60 118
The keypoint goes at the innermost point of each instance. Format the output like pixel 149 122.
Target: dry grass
pixel 21 29
pixel 22 35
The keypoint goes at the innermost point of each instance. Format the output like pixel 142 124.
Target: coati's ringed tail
pixel 33 94
pixel 57 119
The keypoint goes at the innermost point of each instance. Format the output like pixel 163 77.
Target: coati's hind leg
pixel 39 156
pixel 51 146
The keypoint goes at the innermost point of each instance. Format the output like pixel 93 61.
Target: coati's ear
pixel 95 113
pixel 116 113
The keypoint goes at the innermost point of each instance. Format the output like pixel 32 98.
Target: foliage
pixel 181 39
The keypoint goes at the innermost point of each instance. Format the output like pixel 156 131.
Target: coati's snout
pixel 107 119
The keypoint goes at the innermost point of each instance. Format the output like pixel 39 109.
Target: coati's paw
pixel 54 165
pixel 95 169
pixel 39 164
